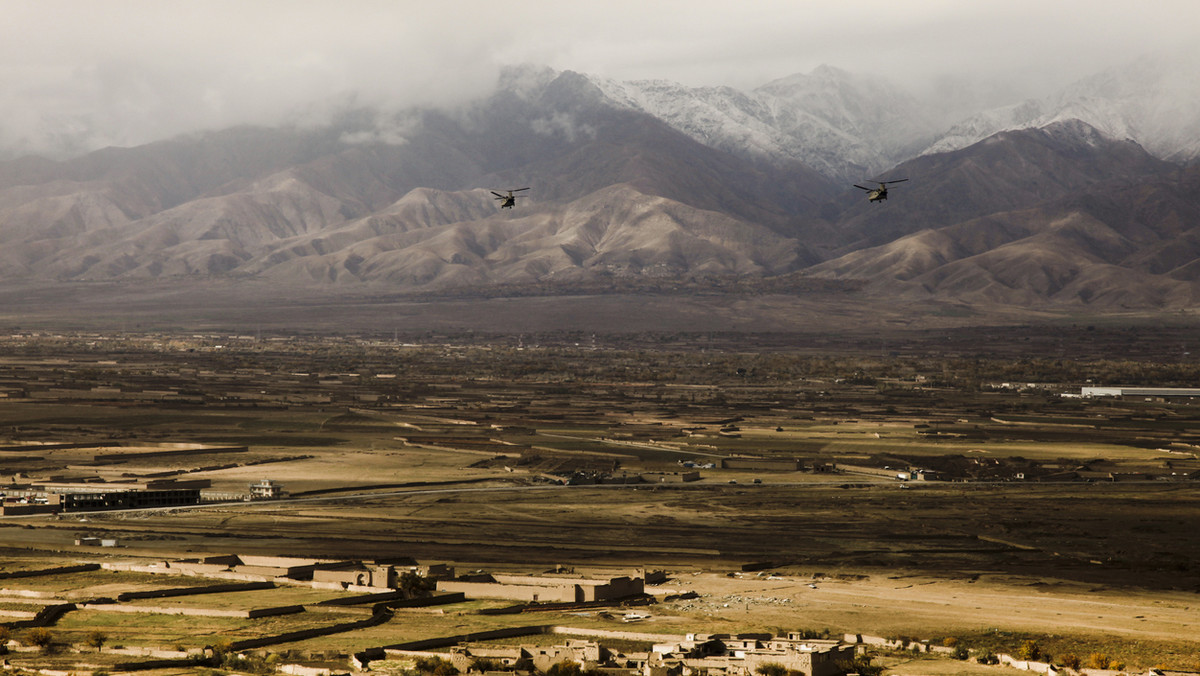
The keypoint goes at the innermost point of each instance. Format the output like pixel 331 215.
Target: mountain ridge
pixel 632 189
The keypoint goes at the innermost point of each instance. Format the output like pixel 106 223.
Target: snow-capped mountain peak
pixel 842 125
pixel 1154 101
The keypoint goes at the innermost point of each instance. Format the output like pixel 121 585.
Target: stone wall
pixel 562 593
pixel 81 568
pixel 188 591
pixel 444 641
pixel 196 612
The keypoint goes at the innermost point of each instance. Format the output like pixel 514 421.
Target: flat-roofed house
pixel 266 489
pixel 744 654
pixel 546 589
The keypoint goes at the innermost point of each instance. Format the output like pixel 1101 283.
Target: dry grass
pixel 1111 567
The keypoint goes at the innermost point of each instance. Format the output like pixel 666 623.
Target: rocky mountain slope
pixel 1125 243
pixel 645 185
pixel 617 193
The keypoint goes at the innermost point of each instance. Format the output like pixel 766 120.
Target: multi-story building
pixel 266 489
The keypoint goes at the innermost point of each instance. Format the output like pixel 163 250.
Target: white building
pixel 1185 392
pixel 266 489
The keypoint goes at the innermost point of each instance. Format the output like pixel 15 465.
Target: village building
pixel 378 573
pixel 587 654
pixel 358 574
pixel 545 589
pixel 762 463
pixel 376 576
pixel 712 654
pixel 1149 393
pixel 266 489
pixel 245 566
pixel 21 505
pixel 81 496
pixel 744 654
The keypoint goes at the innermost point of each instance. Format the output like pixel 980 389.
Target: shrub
pixel 482 664
pixel 40 637
pixel 97 639
pixel 1071 661
pixel 436 666
pixel 1029 650
pixel 960 652
pixel 862 665
pixel 415 586
pixel 222 646
pixel 565 668
pixel 252 663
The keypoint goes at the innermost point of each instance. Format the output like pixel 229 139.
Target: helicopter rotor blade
pixel 899 180
pixel 518 189
pixel 862 187
pixel 498 195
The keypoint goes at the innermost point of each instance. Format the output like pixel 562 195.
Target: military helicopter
pixel 510 200
pixel 878 194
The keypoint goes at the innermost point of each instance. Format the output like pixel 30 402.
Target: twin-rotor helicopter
pixel 879 194
pixel 510 200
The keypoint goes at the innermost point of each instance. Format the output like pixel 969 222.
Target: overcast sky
pixel 123 72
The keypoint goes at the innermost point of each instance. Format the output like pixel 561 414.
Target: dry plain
pixel 445 452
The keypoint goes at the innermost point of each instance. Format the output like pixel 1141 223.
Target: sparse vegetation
pixel 41 637
pixel 1104 661
pixel 253 662
pixel 864 666
pixel 771 669
pixel 435 666
pixel 97 639
pixel 569 668
pixel 504 417
pixel 482 664
pixel 415 586
pixel 1030 650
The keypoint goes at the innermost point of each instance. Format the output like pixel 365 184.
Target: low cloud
pixel 562 124
pixel 76 75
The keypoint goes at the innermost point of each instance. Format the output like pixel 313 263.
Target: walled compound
pixel 545 589
pixel 715 654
